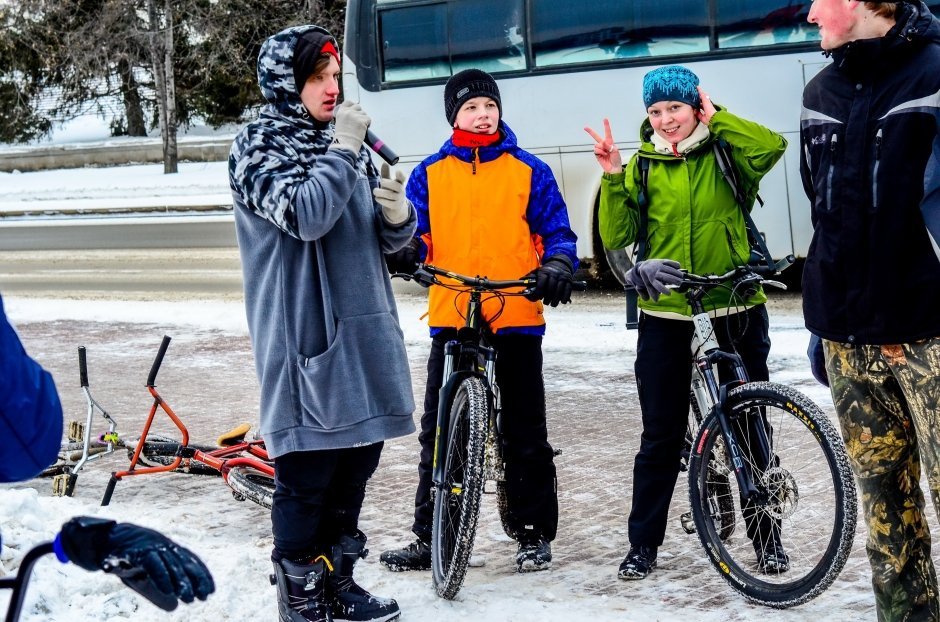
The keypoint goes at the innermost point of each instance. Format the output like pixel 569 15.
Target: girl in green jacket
pixel 694 223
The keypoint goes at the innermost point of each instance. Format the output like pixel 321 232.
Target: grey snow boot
pixel 349 602
pixel 301 591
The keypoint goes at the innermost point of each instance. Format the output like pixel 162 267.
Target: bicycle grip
pixel 82 367
pixel 158 361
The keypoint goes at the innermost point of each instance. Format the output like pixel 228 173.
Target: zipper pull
pixel 832 143
pixel 878 144
pixel 473 162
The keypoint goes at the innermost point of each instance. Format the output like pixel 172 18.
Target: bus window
pixel 746 23
pixel 414 42
pixel 569 32
pixel 428 41
pixel 487 35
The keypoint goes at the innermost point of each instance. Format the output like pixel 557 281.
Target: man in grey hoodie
pixel 313 219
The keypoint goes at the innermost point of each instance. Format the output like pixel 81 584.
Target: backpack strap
pixel 639 247
pixel 759 252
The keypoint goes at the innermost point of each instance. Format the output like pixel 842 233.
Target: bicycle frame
pixel 20 582
pixel 711 395
pixel 461 359
pixel 223 459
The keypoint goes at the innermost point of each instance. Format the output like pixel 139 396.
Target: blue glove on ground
pixel 817 360
pixel 145 560
pixel 651 277
pixel 552 281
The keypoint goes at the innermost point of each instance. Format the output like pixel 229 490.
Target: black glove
pixel 817 360
pixel 405 259
pixel 552 281
pixel 146 561
pixel 651 277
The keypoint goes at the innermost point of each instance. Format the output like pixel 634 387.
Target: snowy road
pixel 209 380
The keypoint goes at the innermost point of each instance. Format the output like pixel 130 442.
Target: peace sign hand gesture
pixel 606 152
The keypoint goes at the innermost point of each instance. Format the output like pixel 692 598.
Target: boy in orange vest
pixel 486 207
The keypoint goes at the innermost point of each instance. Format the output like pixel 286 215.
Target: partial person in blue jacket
pixel 31 426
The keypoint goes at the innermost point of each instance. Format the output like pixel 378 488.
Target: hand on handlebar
pixel 653 276
pixel 552 281
pixel 145 560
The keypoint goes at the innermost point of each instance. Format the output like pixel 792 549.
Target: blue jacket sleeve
pixel 417 192
pixel 548 215
pixel 30 412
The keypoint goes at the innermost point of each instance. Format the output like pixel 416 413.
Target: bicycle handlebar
pixel 152 378
pixel 427 274
pixel 738 275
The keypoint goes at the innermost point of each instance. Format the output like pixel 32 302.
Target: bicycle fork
pixel 712 397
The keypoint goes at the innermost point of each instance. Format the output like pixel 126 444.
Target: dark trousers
pixel 318 496
pixel 530 470
pixel 664 376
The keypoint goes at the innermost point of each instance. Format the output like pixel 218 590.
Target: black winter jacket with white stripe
pixel 870 163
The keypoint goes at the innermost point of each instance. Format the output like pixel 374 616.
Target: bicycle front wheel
pixel 248 484
pixel 807 496
pixel 457 501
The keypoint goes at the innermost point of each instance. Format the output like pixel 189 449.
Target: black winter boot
pixel 301 589
pixel 415 556
pixel 349 602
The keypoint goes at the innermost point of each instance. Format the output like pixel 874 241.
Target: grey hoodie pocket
pixel 362 375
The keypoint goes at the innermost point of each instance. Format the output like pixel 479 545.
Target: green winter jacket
pixel 692 215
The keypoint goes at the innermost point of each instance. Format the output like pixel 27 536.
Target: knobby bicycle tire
pixel 811 498
pixel 457 502
pixel 502 504
pixel 161 451
pixel 248 484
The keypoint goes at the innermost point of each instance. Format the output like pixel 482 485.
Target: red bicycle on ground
pixel 243 464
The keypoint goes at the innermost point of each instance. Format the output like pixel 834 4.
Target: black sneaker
pixel 771 558
pixel 415 556
pixel 638 563
pixel 534 555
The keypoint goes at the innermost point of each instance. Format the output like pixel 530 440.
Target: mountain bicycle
pixel 765 453
pixel 468 444
pixel 82 445
pixel 243 464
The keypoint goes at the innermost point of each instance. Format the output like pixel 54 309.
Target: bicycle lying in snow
pixel 243 464
pixel 764 453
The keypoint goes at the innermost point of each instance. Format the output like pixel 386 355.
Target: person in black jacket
pixel 871 284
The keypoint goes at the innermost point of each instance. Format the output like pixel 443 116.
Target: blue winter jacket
pixel 30 412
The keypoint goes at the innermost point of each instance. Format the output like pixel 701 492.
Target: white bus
pixel 563 65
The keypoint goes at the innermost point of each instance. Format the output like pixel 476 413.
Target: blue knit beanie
pixel 671 83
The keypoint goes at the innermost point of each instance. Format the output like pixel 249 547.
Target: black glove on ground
pixel 651 277
pixel 552 281
pixel 405 259
pixel 817 360
pixel 145 560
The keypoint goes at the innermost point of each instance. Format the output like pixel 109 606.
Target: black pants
pixel 318 496
pixel 664 376
pixel 530 470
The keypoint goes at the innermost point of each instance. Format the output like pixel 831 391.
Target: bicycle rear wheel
pixel 247 483
pixel 161 451
pixel 457 502
pixel 810 500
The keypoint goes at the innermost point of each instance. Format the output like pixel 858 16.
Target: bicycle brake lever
pixel 138 580
pixel 774 284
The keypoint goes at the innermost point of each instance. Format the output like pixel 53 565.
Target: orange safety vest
pixel 478 228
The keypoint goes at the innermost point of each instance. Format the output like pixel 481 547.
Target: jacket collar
pixel 484 154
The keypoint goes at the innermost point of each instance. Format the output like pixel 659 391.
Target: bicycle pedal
pixel 76 431
pixel 688 524
pixel 63 485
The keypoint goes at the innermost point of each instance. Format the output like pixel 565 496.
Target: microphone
pixel 377 145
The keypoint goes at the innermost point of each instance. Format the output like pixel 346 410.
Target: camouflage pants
pixel 888 401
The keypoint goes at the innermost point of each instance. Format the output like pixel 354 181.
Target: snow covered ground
pixel 589 376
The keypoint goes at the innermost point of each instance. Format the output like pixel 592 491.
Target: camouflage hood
pixel 276 71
